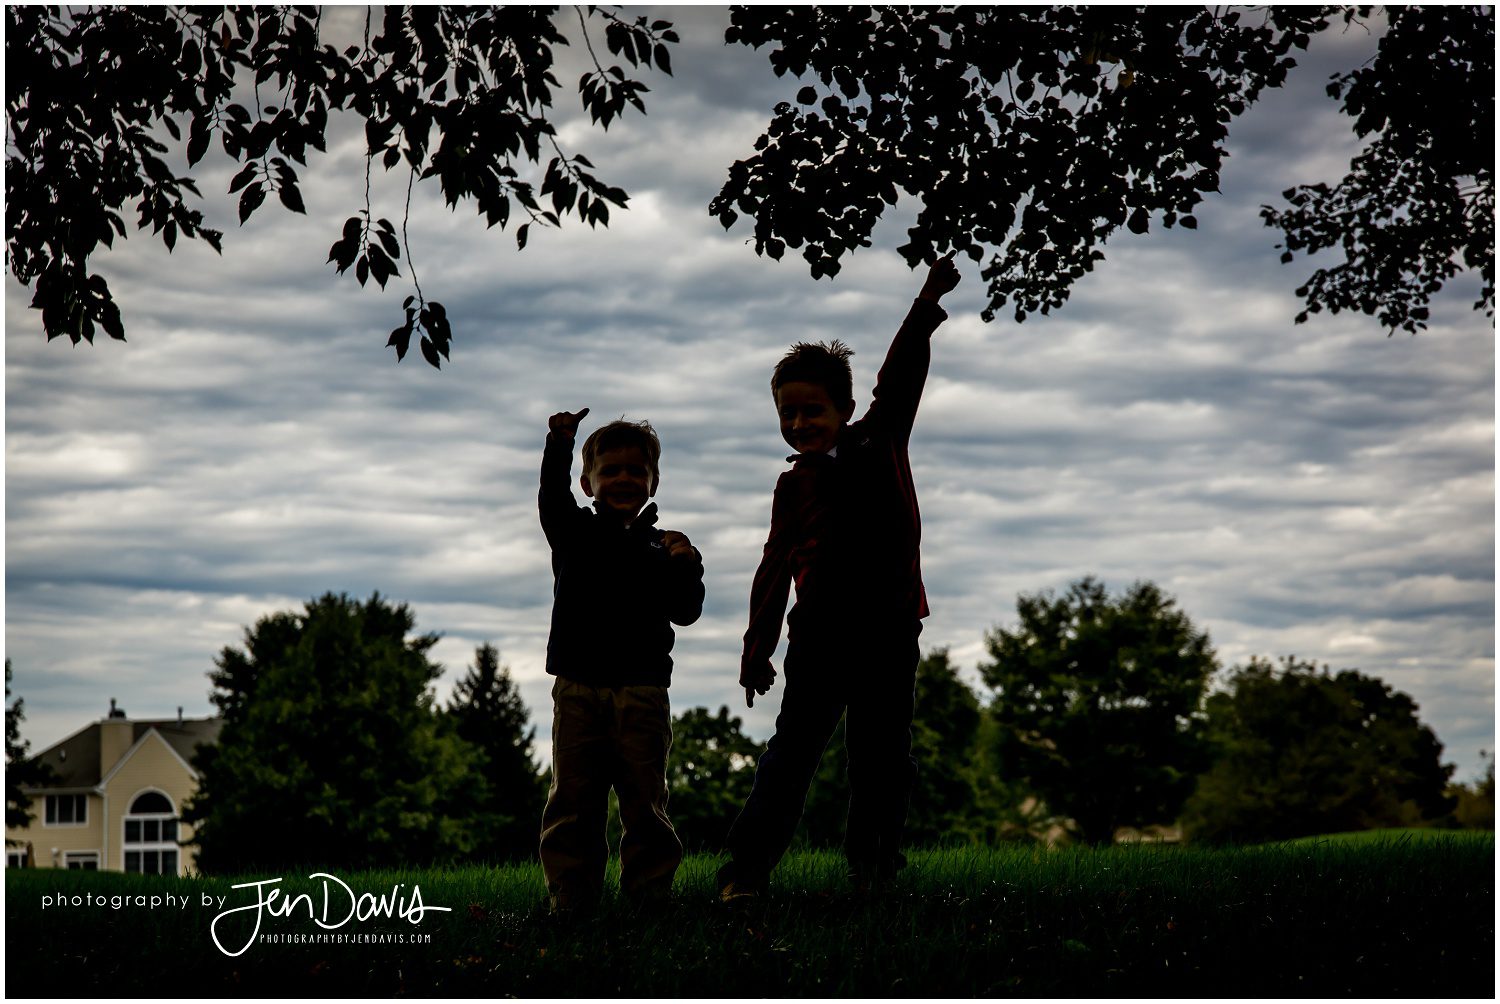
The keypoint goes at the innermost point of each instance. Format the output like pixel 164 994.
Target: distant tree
pixel 708 775
pixel 1474 803
pixel 1098 704
pixel 20 770
pixel 1034 134
pixel 331 751
pixel 17 802
pixel 1299 752
pixel 504 806
pixel 945 731
pixel 1007 810
pixel 95 95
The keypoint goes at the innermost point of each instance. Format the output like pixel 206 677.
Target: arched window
pixel 151 835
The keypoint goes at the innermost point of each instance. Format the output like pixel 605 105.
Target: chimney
pixel 115 737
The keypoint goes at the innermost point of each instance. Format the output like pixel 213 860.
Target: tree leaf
pixel 244 177
pixel 251 199
pixel 291 197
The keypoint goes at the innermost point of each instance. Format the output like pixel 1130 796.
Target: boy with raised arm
pixel 845 528
pixel 619 584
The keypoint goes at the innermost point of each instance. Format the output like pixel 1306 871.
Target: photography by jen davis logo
pixel 340 905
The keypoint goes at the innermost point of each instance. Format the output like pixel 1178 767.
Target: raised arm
pixel 555 499
pixel 898 388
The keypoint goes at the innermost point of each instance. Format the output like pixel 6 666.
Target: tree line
pixel 1096 712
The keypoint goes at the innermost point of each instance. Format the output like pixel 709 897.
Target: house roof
pixel 75 760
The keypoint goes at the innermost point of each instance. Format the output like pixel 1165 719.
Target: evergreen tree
pixel 19 769
pixel 505 803
pixel 331 753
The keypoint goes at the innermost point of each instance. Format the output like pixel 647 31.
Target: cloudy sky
pixel 1320 490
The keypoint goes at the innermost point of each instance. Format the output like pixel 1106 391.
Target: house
pixel 115 797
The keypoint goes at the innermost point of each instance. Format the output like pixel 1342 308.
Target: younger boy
pixel 845 529
pixel 619 583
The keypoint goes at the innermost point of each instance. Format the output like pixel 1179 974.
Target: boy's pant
pixel 877 685
pixel 602 738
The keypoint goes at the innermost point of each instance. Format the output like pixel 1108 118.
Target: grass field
pixel 1410 834
pixel 1393 917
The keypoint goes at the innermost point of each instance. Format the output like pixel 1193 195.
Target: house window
pixel 87 861
pixel 67 810
pixel 15 858
pixel 151 835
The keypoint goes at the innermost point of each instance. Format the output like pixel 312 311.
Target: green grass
pixel 1383 918
pixel 1411 833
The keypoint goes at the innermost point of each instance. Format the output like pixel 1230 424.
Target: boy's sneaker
pixel 736 888
pixel 735 891
pixel 568 909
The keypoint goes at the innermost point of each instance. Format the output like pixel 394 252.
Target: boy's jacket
pixel 845 527
pixel 615 590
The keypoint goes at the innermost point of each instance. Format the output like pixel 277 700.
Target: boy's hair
pixel 823 363
pixel 623 433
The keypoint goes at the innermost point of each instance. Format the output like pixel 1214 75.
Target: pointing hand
pixel 941 278
pixel 756 680
pixel 565 424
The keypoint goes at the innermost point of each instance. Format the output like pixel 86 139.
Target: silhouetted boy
pixel 845 528
pixel 619 584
